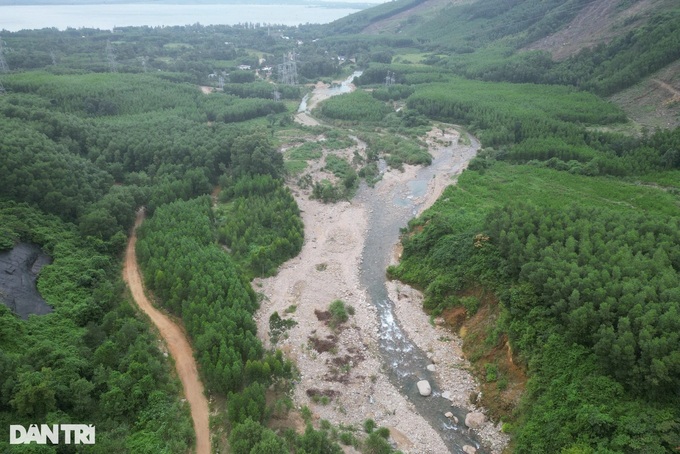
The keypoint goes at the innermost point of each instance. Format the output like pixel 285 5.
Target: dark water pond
pixel 19 270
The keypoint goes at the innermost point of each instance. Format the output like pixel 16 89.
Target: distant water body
pixel 108 16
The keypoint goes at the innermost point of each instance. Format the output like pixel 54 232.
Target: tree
pixel 34 393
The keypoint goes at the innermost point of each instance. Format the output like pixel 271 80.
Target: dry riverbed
pixel 342 375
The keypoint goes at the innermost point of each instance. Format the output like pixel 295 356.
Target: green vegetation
pixel 357 106
pixel 306 152
pixel 581 294
pixel 502 114
pixel 397 150
pixel 186 269
pixel 93 359
pixel 569 229
pixel 340 313
pixel 259 223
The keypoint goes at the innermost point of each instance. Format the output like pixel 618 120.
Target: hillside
pixel 551 42
pixel 524 257
pixel 598 22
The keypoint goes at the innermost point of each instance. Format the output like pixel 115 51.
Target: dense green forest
pixel 585 289
pixel 82 150
pixel 568 217
pixel 93 359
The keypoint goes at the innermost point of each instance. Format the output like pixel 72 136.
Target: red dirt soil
pixel 177 343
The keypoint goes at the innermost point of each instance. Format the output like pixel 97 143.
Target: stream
pixel 404 362
pixel 326 92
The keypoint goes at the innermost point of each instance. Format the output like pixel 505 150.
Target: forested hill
pixel 549 254
pixel 603 46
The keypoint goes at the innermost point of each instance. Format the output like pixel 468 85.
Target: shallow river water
pixel 404 362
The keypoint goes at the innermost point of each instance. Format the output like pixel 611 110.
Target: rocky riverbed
pixel 344 376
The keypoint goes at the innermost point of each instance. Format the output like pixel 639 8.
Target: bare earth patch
pixel 598 22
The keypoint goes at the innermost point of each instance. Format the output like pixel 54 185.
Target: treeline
pixel 357 106
pixel 588 299
pixel 196 280
pixel 262 90
pixel 166 51
pixel 106 95
pixel 259 222
pixel 602 279
pixel 610 68
pixel 41 172
pixel 548 124
pixel 67 139
pixel 91 360
pixel 404 75
pixel 504 113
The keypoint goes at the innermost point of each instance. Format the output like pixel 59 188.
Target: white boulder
pixel 475 420
pixel 424 388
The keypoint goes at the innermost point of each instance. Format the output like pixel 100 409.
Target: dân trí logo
pixel 68 434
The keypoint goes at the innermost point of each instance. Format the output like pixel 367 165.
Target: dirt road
pixel 675 93
pixel 177 343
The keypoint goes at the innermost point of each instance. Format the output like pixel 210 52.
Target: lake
pixel 108 16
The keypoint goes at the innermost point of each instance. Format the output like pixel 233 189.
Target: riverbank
pixel 343 378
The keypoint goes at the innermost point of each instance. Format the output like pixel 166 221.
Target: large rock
pixel 431 367
pixel 475 420
pixel 424 388
pixel 447 395
pixel 469 449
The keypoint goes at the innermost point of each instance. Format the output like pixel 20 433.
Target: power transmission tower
pixel 288 70
pixel 276 95
pixel 389 79
pixel 220 82
pixel 54 58
pixel 3 67
pixel 111 57
pixel 144 61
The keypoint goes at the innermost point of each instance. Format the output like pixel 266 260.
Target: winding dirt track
pixel 177 343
